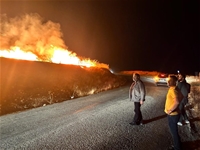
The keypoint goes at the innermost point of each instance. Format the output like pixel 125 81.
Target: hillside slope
pixel 29 84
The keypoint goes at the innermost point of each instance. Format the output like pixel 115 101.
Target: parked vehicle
pixel 161 79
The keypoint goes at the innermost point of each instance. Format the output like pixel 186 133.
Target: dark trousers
pixel 138 115
pixel 172 121
pixel 183 115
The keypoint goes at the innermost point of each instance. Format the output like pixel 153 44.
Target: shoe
pixel 141 123
pixel 187 122
pixel 179 123
pixel 133 123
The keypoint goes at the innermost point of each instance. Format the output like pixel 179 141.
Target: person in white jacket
pixel 137 95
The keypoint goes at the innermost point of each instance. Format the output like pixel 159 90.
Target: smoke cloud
pixel 32 34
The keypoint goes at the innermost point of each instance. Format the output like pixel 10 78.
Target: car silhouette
pixel 161 79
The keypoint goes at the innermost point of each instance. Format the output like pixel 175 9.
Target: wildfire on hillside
pixel 28 37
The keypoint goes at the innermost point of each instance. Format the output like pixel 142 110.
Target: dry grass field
pixel 30 84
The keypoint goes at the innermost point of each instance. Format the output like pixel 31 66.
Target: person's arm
pixel 130 90
pixel 142 92
pixel 174 106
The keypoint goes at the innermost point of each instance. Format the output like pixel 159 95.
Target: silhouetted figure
pixel 185 89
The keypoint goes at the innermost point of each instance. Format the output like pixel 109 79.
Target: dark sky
pixel 128 35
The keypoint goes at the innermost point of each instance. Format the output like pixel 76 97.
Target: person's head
pixel 136 76
pixel 172 81
pixel 181 77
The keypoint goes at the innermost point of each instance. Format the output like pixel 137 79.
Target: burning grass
pixel 29 84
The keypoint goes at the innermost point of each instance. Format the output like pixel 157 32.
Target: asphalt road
pixel 95 122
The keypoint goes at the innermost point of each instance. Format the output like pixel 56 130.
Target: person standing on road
pixel 137 94
pixel 184 88
pixel 173 99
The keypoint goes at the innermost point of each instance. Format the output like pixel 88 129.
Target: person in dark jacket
pixel 183 86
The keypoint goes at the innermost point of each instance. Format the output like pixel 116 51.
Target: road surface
pixel 95 122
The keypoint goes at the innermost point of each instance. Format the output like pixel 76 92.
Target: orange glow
pixel 16 53
pixel 59 55
pixel 29 37
pixel 66 57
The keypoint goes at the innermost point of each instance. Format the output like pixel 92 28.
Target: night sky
pixel 128 34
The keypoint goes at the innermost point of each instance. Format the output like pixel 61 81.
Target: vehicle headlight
pixel 156 78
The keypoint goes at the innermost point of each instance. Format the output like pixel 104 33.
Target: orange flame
pixel 59 55
pixel 17 53
pixel 28 37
